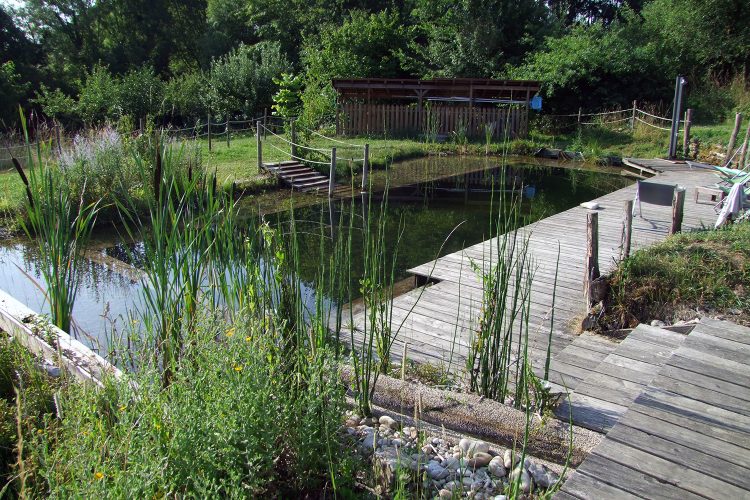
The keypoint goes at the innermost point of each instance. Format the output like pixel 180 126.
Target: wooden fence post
pixel 686 134
pixel 733 138
pixel 579 116
pixel 678 204
pixel 632 117
pixel 591 267
pixel 743 152
pixel 627 230
pixel 265 121
pixel 332 174
pixel 259 146
pixel 293 145
pixel 227 129
pixel 365 167
pixel 209 131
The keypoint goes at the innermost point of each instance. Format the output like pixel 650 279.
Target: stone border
pixel 52 344
pixel 472 415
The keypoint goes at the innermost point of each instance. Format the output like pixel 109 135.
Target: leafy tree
pixel 475 38
pixel 287 102
pixel 595 66
pixel 11 92
pixel 242 81
pixel 99 96
pixel 184 96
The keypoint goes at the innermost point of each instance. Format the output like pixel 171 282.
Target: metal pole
pixel 632 117
pixel 686 133
pixel 332 174
pixel 259 146
pixel 676 115
pixel 365 167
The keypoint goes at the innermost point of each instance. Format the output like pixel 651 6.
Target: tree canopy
pixel 88 61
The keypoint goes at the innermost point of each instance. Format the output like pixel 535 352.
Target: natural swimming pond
pixel 454 201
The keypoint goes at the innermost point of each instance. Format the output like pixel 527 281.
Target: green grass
pixel 704 270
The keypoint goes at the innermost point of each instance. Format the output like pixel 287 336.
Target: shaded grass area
pixel 597 142
pixel 704 271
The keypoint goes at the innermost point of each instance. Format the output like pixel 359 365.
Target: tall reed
pixel 61 226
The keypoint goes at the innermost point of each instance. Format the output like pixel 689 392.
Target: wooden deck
pixel 687 434
pixel 437 320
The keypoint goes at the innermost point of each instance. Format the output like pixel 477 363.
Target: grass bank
pixel 701 272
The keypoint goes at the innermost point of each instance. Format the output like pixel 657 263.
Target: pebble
pixel 388 422
pixel 658 322
pixel 497 467
pixel 526 484
pixel 445 494
pixel 469 447
pixel 436 471
pixel 510 459
pixel 480 459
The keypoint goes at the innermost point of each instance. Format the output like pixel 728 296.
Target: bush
pixel 98 97
pixel 241 82
pixel 184 97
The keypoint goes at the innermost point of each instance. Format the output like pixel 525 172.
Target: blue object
pixel 536 103
pixel 529 192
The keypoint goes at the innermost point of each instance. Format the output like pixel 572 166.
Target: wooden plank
pixel 720 450
pixel 608 388
pixel 590 412
pixel 700 394
pixel 695 460
pixel 711 366
pixel 727 349
pixel 658 336
pixel 700 380
pixel 586 487
pixel 630 479
pixel 725 330
pixel 696 421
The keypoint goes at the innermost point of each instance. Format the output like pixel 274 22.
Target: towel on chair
pixel 732 203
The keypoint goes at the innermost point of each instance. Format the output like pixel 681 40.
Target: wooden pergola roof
pixel 439 88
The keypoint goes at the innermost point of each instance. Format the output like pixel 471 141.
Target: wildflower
pixel 98 475
pixel 248 338
pixel 230 332
pixel 238 368
pixel 122 407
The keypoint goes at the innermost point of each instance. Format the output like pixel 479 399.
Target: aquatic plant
pixel 60 222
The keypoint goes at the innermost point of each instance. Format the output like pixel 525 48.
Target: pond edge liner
pixel 52 344
pixel 469 414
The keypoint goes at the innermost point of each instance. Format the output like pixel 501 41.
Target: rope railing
pixel 319 150
pixel 654 116
pixel 651 124
pixel 575 115
pixel 298 158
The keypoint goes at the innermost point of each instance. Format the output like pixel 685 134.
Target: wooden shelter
pixel 438 107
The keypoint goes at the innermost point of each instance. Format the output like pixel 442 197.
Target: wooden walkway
pixel 687 434
pixel 301 177
pixel 437 320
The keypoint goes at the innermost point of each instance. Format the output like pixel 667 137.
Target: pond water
pixel 456 198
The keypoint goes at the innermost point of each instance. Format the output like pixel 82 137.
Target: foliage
pixel 287 101
pixel 11 89
pixel 705 270
pixel 184 97
pixel 242 81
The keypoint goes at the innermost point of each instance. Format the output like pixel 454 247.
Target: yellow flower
pixel 39 431
pixel 98 475
pixel 238 368
pixel 230 332
pixel 248 338
pixel 122 407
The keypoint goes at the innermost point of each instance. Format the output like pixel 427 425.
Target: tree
pixel 475 38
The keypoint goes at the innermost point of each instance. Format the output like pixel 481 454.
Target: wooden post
pixel 733 137
pixel 259 146
pixel 265 121
pixel 632 117
pixel 293 133
pixel 579 116
pixel 591 267
pixel 332 174
pixel 678 204
pixel 227 129
pixel 743 152
pixel 365 167
pixel 627 230
pixel 686 134
pixel 209 131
